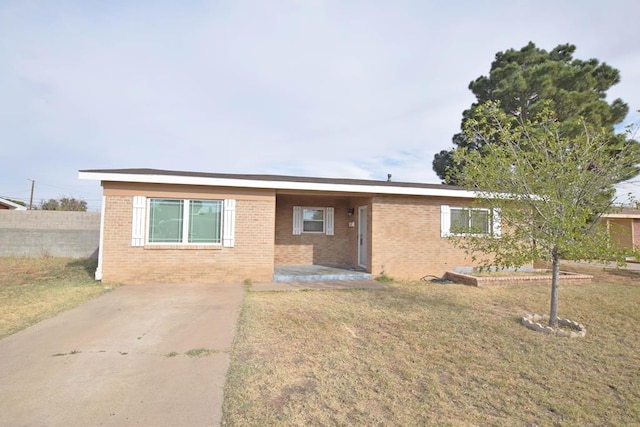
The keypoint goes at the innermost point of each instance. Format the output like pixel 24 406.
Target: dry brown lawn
pixel 33 289
pixel 429 354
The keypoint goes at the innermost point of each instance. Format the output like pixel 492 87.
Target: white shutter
pixel 497 226
pixel 328 226
pixel 297 220
pixel 445 221
pixel 138 220
pixel 228 223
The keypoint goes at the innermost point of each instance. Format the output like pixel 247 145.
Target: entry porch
pixel 322 237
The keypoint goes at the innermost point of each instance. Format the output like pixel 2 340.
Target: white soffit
pixel 12 204
pixel 621 215
pixel 278 185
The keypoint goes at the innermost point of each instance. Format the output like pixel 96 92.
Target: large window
pixel 469 221
pixel 185 221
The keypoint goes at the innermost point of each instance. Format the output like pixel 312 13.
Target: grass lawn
pixel 429 354
pixel 33 289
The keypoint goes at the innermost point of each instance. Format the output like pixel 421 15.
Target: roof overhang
pixel 298 184
pixel 12 205
pixel 622 215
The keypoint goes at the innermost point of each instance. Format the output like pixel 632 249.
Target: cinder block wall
pixel 49 233
pixel 250 258
pixel 406 241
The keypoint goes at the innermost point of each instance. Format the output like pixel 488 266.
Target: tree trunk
pixel 555 278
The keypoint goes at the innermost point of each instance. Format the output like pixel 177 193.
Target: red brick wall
pixel 313 248
pixel 250 258
pixel 404 237
pixel 406 240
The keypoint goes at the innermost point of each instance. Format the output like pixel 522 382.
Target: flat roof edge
pixel 279 184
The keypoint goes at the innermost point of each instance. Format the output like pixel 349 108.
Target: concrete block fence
pixel 49 233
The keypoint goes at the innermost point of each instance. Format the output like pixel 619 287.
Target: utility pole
pixel 33 184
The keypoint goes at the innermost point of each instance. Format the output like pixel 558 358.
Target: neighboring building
pixel 167 226
pixel 8 204
pixel 624 227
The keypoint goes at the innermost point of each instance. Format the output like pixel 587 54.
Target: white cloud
pixel 318 88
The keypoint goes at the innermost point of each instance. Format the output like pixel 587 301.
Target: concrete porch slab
pixel 317 285
pixel 317 273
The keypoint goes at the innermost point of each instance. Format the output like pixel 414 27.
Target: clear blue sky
pixel 352 89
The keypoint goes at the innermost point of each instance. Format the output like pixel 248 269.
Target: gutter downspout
pixel 98 275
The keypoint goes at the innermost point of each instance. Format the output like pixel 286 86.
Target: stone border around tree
pixel 532 321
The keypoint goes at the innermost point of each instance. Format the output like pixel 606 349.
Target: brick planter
pixel 565 277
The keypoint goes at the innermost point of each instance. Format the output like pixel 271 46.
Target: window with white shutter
pixel 445 221
pixel 313 220
pixel 461 221
pixel 297 220
pixel 183 222
pixel 229 223
pixel 497 224
pixel 138 220
pixel 329 221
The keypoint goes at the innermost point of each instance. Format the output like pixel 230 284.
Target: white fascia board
pixel 15 206
pixel 277 185
pixel 621 216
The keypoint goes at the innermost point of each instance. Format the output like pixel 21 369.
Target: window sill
pixel 470 235
pixel 183 247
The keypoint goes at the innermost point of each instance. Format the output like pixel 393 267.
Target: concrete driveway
pixel 119 360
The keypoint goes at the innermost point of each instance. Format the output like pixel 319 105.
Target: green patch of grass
pixel 172 354
pixel 426 354
pixel 383 278
pixel 200 352
pixel 34 289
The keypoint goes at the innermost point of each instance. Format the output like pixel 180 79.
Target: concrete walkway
pixel 317 285
pixel 633 267
pixel 121 359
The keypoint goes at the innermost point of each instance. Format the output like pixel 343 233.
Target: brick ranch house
pixel 169 226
